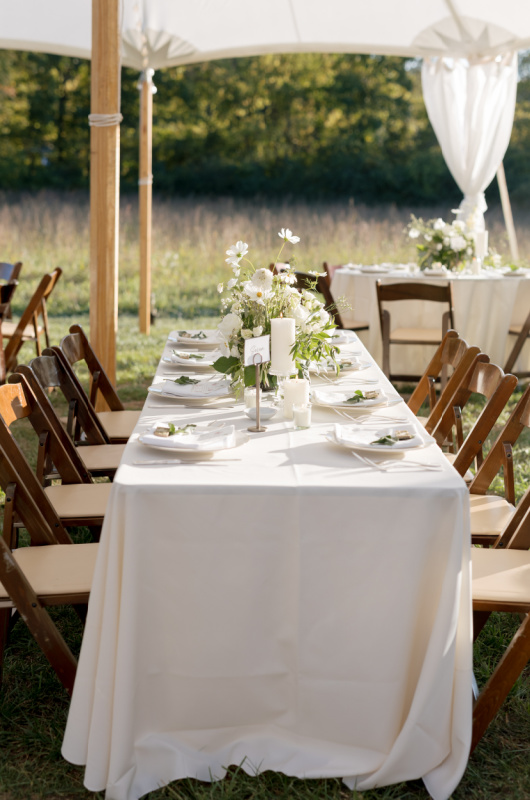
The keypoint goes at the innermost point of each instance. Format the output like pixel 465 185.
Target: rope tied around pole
pixel 146 181
pixel 104 120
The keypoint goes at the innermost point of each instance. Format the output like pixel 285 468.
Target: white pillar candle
pixel 481 243
pixel 250 397
pixel 282 342
pixel 295 391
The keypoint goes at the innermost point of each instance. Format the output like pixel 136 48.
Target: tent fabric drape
pixel 471 105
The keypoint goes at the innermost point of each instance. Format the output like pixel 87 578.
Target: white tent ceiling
pixel 158 33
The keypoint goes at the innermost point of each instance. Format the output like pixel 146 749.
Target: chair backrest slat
pixel 75 348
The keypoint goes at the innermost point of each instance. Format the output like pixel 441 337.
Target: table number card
pixel 257 350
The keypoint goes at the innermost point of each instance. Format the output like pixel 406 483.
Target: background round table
pixel 484 308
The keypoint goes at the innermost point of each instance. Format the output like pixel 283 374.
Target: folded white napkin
pixel 333 398
pixel 198 441
pixel 355 438
pixel 208 358
pixel 218 388
pixel 343 337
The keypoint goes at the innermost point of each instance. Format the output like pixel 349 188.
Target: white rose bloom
pixel 322 319
pixel 257 331
pixel 246 333
pixel 234 351
pixel 439 225
pixel 231 283
pixel 301 314
pixel 458 243
pixel 235 308
pixel 262 278
pixel 230 325
pixel 414 233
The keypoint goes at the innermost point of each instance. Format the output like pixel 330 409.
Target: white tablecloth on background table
pixel 484 308
pixel 281 607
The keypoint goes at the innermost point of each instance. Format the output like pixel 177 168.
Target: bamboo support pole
pixel 104 180
pixel 507 211
pixel 145 195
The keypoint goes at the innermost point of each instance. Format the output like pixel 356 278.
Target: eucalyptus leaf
pixel 185 381
pixel 356 398
pixel 386 440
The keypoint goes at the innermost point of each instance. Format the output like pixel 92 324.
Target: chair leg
pixel 385 324
pixel 518 346
pixel 5 614
pixel 501 681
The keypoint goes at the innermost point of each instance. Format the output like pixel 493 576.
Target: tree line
pixel 311 125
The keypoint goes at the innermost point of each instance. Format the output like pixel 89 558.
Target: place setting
pixel 189 441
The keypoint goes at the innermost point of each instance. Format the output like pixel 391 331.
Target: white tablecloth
pixel 484 307
pixel 281 607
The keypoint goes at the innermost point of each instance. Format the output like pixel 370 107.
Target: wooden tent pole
pixel 104 180
pixel 145 194
pixel 507 211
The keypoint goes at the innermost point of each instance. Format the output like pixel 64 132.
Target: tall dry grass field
pixel 190 237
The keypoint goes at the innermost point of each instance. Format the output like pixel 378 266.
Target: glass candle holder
pixel 302 416
pixel 249 397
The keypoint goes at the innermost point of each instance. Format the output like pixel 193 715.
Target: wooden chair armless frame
pixel 76 347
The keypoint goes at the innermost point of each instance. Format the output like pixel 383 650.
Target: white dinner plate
pixel 515 273
pixel 241 438
pixel 195 400
pixel 345 366
pixel 212 340
pixel 333 397
pixel 206 362
pixel 375 268
pixel 353 439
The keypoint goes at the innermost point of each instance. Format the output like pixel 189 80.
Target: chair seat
pixel 28 335
pixel 514 329
pixel 422 420
pixel 468 477
pixel 119 424
pixel 101 456
pixel 358 325
pixel 501 576
pixel 416 336
pixel 79 500
pixel 57 569
pixel 489 514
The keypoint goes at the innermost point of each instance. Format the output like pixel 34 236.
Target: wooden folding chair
pixel 325 289
pixel 32 578
pixel 28 328
pixel 452 352
pixel 76 501
pixel 118 423
pixel 10 272
pixel 91 460
pixel 494 518
pixel 521 333
pixel 501 583
pixel 411 291
pixel 489 381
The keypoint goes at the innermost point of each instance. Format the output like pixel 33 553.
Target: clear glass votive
pixel 302 416
pixel 249 397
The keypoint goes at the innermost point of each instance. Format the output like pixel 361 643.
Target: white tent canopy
pixel 160 33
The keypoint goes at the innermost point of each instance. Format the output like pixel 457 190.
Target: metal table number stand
pixel 257 352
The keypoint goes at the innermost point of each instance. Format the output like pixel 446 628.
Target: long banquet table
pixel 485 306
pixel 280 607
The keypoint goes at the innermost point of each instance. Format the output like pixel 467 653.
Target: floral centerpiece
pixel 254 296
pixel 441 244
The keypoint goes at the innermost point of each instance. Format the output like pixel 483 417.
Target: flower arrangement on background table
pixel 255 296
pixel 441 243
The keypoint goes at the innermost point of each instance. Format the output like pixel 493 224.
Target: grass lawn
pixel 188 261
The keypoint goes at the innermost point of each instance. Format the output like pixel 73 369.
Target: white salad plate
pixel 189 399
pixel 211 341
pixel 346 364
pixel 333 397
pixel 352 439
pixel 206 362
pixel 179 448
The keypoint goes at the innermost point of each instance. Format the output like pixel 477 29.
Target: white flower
pixel 301 315
pixel 236 253
pixel 256 293
pixel 257 331
pixel 224 349
pixel 262 279
pixel 320 320
pixel 287 236
pixel 236 271
pixel 235 308
pixel 230 325
pixel 231 283
pixel 459 225
pixel 458 243
pixel 220 288
pixel 439 225
pixel 246 333
pixel 414 233
pixel 427 237
pixel 234 351
pixel 316 273
pixel 447 241
pixel 469 251
pixel 439 247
